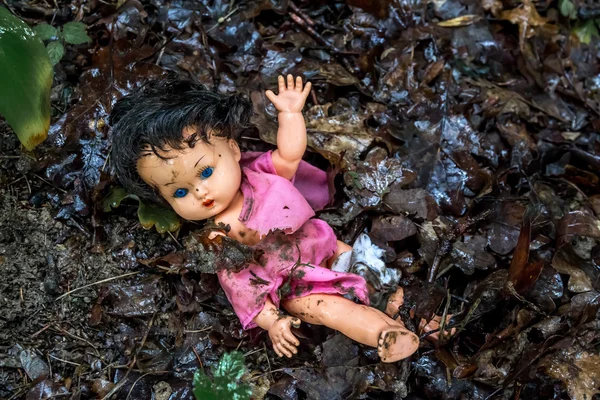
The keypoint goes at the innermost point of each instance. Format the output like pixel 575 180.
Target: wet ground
pixel 461 135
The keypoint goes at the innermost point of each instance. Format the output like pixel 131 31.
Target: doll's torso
pixel 238 229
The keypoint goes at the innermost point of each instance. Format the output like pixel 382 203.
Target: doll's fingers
pixel 284 350
pixel 307 88
pixel 298 84
pixel 290 81
pixel 277 349
pixel 281 83
pixel 291 338
pixel 271 96
pixel 289 347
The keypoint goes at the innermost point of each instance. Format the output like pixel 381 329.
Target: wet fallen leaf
pixel 526 17
pixel 463 20
pixel 579 282
pixel 577 223
pixel 149 214
pixel 579 370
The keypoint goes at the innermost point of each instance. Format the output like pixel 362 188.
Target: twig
pixel 27 182
pixel 45 181
pixel 78 338
pixel 208 328
pixel 198 357
pixel 252 352
pixel 123 380
pixel 65 361
pixel 222 19
pixel 468 317
pixel 97 283
pixel 268 361
pixel 511 289
pixel 40 331
pixel 146 374
pixel 446 244
pixel 444 315
pixel 269 372
pixel 173 237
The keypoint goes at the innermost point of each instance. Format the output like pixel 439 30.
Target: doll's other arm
pixel 279 328
pixel 291 135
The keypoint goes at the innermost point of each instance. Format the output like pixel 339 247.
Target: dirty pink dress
pixel 295 245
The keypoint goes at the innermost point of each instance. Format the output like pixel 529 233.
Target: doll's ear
pixel 235 148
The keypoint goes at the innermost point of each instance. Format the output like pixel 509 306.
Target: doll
pixel 172 142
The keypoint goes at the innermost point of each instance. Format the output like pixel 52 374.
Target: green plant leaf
pixel 45 31
pixel 75 33
pixel 163 219
pixel 26 75
pixel 585 31
pixel 231 366
pixel 225 384
pixel 567 9
pixel 149 215
pixel 56 51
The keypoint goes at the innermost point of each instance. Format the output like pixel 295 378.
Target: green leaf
pixel 26 79
pixel 163 219
pixel 567 9
pixel 56 51
pixel 45 31
pixel 231 366
pixel 225 384
pixel 149 215
pixel 75 33
pixel 585 30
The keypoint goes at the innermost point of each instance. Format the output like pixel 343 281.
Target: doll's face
pixel 198 182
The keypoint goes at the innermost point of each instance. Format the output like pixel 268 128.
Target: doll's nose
pixel 200 191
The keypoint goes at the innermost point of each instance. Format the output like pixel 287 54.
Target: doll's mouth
pixel 208 203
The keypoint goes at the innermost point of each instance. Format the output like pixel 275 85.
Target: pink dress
pixel 295 245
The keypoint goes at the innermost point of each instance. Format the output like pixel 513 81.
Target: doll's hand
pixel 284 342
pixel 434 324
pixel 291 98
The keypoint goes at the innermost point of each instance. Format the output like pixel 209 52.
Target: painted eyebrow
pixel 172 183
pixel 198 161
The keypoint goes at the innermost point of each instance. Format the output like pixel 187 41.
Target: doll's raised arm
pixel 279 327
pixel 291 136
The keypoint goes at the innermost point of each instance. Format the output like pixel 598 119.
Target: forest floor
pixel 461 135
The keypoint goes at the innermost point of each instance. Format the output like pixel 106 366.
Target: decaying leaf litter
pixel 460 134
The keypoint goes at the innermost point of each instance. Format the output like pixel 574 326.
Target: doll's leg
pixel 341 248
pixel 396 301
pixel 364 324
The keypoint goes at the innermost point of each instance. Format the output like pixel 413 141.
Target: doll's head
pixel 172 142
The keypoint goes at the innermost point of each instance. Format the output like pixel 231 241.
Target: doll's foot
pixel 395 344
pixel 394 303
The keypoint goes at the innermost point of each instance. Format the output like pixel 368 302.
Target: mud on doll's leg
pixel 396 300
pixel 364 324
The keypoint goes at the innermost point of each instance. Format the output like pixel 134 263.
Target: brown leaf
pixel 432 71
pixel 393 228
pixel 412 201
pixel 463 20
pixel 579 370
pixel 577 223
pixel 521 274
pixel 579 281
pixel 526 17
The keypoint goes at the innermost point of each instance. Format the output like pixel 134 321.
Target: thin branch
pixel 97 283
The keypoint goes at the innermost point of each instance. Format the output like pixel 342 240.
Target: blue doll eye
pixel 180 193
pixel 206 172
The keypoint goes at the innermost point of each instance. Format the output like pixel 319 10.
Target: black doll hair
pixel 152 118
